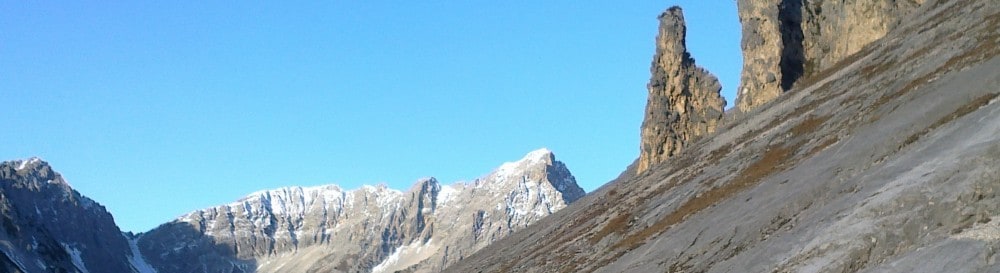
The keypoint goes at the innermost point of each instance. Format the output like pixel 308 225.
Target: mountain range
pixel 49 227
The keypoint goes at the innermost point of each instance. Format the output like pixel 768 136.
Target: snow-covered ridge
pixel 448 192
pixel 298 200
pixel 461 216
pixel 24 163
pixel 293 199
pixel 540 156
pixel 533 158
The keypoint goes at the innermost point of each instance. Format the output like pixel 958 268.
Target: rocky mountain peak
pixel 427 184
pixel 540 165
pixel 35 174
pixel 49 227
pixel 684 102
pixel 534 162
pixel 30 163
pixel 540 156
pixel 34 167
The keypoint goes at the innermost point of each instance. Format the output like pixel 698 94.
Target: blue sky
pixel 155 110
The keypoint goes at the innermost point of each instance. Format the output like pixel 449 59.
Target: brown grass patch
pixel 960 112
pixel 773 160
pixel 822 146
pixel 939 18
pixel 988 46
pixel 809 125
pixel 507 267
pixel 813 78
pixel 715 156
pixel 616 224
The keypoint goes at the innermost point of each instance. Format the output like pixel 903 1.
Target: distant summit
pixel 371 229
pixel 49 227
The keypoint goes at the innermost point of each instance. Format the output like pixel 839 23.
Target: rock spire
pixel 684 101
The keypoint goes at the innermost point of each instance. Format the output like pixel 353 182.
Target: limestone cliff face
pixel 684 101
pixel 786 40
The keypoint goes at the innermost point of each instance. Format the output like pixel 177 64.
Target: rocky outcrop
pixel 788 40
pixel 886 163
pixel 684 101
pixel 372 229
pixel 49 227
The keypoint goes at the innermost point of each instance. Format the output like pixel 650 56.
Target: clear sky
pixel 155 110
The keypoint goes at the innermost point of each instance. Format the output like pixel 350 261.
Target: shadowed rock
pixel 46 226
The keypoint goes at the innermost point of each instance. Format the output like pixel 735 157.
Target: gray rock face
pixel 49 227
pixel 372 229
pixel 785 41
pixel 886 163
pixel 684 101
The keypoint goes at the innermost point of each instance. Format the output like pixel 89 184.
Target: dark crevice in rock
pixel 792 51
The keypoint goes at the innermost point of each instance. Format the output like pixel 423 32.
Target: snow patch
pixel 988 232
pixel 136 259
pixel 15 259
pixel 24 163
pixel 447 193
pixel 538 155
pixel 516 168
pixel 405 256
pixel 75 257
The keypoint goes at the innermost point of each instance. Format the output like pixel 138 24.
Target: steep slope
pixel 372 229
pixel 684 100
pixel 49 227
pixel 885 162
pixel 788 40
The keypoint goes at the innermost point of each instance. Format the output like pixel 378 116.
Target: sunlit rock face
pixel 372 229
pixel 684 102
pixel 785 41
